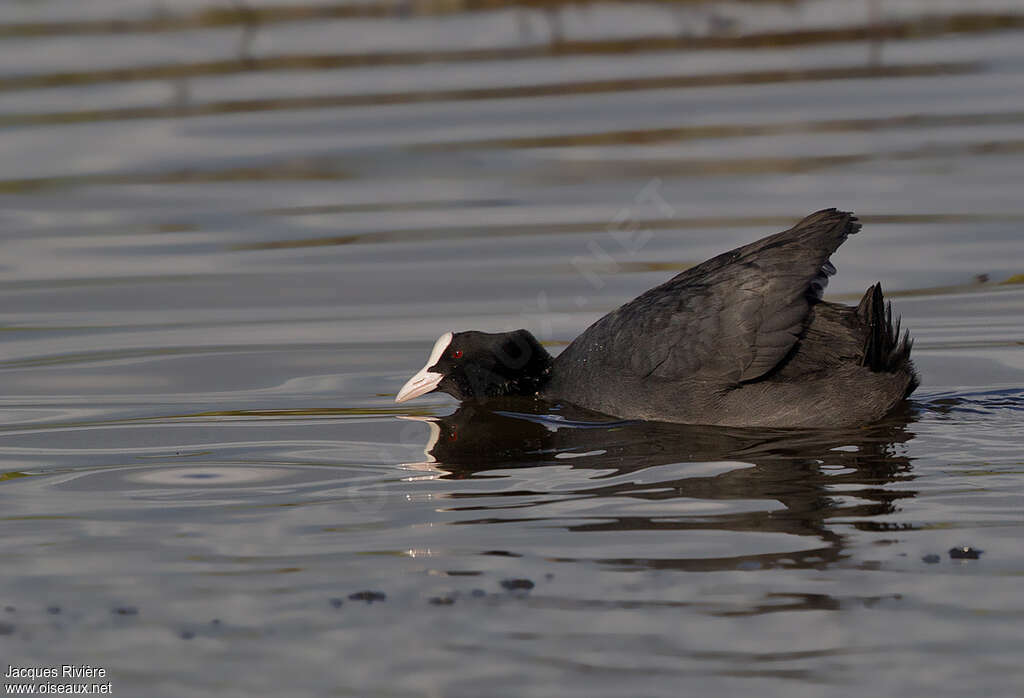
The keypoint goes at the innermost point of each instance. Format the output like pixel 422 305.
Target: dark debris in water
pixel 873 601
pixel 368 596
pixel 336 602
pixel 10 609
pixel 442 600
pixel 965 552
pixel 931 558
pixel 126 611
pixel 53 610
pixel 517 584
pixel 187 634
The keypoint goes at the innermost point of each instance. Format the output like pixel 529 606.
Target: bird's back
pixel 744 339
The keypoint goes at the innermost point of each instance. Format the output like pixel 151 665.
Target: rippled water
pixel 229 232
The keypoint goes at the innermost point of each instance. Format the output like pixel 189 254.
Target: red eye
pixel 457 354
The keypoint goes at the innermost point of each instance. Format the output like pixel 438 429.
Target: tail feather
pixel 884 349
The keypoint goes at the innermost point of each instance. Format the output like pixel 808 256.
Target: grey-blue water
pixel 230 232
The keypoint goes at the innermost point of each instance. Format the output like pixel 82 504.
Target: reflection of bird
pixel 516 431
pixel 657 461
pixel 743 339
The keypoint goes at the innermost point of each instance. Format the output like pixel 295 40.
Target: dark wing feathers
pixel 732 318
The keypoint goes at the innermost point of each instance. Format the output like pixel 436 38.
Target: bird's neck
pixel 532 381
pixel 525 367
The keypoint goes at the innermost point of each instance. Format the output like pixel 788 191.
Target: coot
pixel 743 339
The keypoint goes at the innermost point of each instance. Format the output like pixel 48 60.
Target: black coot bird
pixel 743 339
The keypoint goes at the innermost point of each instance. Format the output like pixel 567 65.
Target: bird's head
pixel 473 365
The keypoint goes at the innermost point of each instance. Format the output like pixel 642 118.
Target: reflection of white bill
pixel 430 463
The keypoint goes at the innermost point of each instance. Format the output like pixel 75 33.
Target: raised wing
pixel 731 319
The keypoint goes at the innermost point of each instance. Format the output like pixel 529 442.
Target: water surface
pixel 230 232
